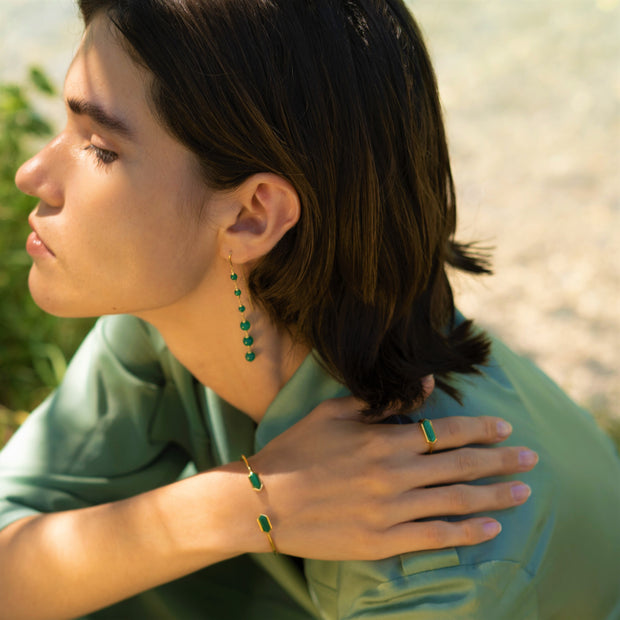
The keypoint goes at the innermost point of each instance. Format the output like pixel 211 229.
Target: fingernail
pixel 504 428
pixel 492 528
pixel 527 458
pixel 520 492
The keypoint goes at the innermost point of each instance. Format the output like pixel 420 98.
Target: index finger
pixel 458 431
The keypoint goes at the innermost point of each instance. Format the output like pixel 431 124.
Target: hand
pixel 339 488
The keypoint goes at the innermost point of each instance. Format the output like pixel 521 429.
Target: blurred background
pixel 531 92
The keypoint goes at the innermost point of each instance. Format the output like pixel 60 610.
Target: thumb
pixel 428 385
pixel 349 407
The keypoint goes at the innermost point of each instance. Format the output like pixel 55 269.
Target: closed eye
pixel 102 156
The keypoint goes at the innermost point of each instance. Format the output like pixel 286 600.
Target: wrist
pixel 218 516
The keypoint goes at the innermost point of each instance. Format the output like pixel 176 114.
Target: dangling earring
pixel 248 341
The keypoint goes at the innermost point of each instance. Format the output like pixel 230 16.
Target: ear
pixel 267 206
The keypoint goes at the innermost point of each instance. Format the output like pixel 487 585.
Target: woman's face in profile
pixel 117 225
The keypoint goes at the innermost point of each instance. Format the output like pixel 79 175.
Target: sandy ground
pixel 531 91
pixel 532 98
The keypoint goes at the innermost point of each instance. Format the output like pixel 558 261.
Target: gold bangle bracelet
pixel 255 481
pixel 265 526
pixel 264 523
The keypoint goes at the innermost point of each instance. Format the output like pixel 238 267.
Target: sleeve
pixel 90 441
pixel 423 586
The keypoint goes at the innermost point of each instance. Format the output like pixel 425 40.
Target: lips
pixel 35 246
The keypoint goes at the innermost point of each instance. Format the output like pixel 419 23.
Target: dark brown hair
pixel 339 97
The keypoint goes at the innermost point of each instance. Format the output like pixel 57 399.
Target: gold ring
pixel 429 434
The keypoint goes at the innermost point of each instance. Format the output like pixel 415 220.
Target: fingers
pixel 441 534
pixel 455 432
pixel 469 464
pixel 458 499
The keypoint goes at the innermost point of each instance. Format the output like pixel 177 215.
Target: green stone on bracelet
pixel 255 481
pixel 264 523
pixel 250 355
pixel 244 325
pixel 233 276
pixel 241 308
pixel 237 292
pixel 249 341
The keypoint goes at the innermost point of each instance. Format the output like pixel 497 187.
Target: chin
pixel 55 307
pixel 51 299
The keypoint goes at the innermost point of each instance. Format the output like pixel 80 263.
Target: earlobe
pixel 268 207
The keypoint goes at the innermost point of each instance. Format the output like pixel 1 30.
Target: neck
pixel 207 340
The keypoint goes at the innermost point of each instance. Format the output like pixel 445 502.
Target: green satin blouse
pixel 128 418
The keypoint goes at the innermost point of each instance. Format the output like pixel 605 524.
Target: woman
pixel 262 192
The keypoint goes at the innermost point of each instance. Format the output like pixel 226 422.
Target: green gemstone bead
pixel 255 481
pixel 237 292
pixel 241 308
pixel 244 325
pixel 265 523
pixel 233 276
pixel 250 355
pixel 249 341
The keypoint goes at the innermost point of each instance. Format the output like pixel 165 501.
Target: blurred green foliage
pixel 34 346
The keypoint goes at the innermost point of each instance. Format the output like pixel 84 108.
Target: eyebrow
pixel 100 116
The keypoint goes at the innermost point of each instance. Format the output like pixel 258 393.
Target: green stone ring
pixel 429 433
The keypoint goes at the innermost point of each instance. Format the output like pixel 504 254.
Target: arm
pixel 67 563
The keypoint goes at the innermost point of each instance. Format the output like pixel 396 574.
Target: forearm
pixel 67 564
pixel 368 502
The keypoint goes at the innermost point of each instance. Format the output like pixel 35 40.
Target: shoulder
pixel 525 572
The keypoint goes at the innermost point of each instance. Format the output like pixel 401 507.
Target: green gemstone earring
pixel 248 341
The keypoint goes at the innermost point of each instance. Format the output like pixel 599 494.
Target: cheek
pixel 172 259
pixel 155 259
pixel 121 221
pixel 171 240
pixel 163 238
pixel 125 242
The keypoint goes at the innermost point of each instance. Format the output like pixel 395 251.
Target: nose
pixel 40 177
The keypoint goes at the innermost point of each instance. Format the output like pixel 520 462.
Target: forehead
pixel 104 76
pixel 105 84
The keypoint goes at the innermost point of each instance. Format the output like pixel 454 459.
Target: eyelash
pixel 103 156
